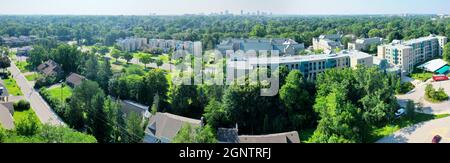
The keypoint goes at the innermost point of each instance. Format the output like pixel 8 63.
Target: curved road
pixel 40 107
pixel 421 133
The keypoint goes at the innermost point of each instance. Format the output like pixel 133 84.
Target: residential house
pixel 327 42
pixel 24 51
pixel 49 68
pixel 17 41
pixel 163 127
pixel 75 79
pixel 364 44
pixel 230 135
pixel 6 115
pixel 130 107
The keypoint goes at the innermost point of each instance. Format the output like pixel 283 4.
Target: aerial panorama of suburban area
pixel 179 71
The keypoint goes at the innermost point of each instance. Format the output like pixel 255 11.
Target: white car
pixel 400 112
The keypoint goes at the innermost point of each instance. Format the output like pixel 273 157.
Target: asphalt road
pixel 40 107
pixel 421 133
pixel 417 95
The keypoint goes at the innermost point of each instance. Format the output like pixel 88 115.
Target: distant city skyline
pixel 180 7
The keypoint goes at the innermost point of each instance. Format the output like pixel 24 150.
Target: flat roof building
pixel 309 65
pixel 407 54
pixel 283 45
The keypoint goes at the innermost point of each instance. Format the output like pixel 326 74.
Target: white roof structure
pixel 433 65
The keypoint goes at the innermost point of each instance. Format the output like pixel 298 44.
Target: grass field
pixel 21 115
pixel 55 92
pixel 23 66
pixel 32 77
pixel 12 87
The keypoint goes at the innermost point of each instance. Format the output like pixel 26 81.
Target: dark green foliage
pixel 405 88
pixel 353 101
pixel 434 95
pixel 21 105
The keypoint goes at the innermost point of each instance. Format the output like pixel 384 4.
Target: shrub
pixel 2 134
pixel 21 105
pixel 28 126
pixel 405 88
pixel 434 95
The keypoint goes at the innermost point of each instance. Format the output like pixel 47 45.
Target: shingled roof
pixel 6 119
pixel 75 79
pixel 49 68
pixel 165 126
pixel 287 137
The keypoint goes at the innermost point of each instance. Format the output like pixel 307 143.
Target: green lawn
pixel 20 115
pixel 379 133
pixel 32 77
pixel 422 76
pixel 23 66
pixel 12 87
pixel 55 92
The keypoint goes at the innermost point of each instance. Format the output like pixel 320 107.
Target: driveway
pixel 421 133
pixel 40 107
pixel 418 94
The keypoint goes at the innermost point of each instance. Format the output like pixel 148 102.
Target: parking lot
pixel 421 133
pixel 418 95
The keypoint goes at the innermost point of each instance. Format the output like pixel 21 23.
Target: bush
pixel 434 95
pixel 22 105
pixel 28 126
pixel 405 88
pixel 2 134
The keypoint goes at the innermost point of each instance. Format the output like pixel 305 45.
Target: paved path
pixel 417 95
pixel 40 107
pixel 421 133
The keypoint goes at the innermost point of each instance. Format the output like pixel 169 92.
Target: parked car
pixel 400 112
pixel 440 77
pixel 1 90
pixel 436 139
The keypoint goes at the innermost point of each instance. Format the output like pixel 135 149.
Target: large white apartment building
pixel 309 65
pixel 167 45
pixel 407 54
pixel 327 42
pixel 283 45
pixel 131 44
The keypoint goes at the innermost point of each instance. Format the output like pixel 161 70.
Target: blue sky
pixel 170 7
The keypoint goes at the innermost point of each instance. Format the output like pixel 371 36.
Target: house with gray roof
pixel 163 127
pixel 6 116
pixel 363 44
pixel 327 42
pixel 75 79
pixel 129 107
pixel 49 68
pixel 230 135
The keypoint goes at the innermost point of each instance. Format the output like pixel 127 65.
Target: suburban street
pixel 421 133
pixel 40 107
